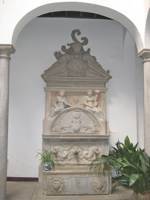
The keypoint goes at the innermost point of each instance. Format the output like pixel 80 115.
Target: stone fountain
pixel 75 122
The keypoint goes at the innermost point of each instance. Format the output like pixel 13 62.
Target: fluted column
pixel 145 54
pixel 5 51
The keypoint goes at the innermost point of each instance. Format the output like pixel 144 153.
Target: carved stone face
pixel 90 93
pixel 62 93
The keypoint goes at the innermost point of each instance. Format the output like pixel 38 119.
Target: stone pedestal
pixel 75 124
pixel 72 174
pixel 119 194
pixel 74 182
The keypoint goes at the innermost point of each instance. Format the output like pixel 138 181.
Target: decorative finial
pixel 74 38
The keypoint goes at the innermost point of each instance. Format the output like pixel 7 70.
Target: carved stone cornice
pixel 145 54
pixel 6 50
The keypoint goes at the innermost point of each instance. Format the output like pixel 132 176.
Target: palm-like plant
pixel 47 159
pixel 130 163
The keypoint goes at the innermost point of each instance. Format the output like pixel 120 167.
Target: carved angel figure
pixel 91 101
pixel 60 104
pixel 91 154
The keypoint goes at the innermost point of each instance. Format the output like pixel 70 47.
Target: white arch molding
pixel 83 7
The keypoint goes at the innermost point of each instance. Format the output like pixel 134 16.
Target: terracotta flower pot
pixel 145 196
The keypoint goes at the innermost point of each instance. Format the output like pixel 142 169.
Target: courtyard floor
pixel 21 190
pixel 30 191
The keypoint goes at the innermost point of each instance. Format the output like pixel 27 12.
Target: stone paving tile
pixel 21 190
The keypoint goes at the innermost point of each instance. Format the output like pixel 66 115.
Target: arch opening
pixel 82 7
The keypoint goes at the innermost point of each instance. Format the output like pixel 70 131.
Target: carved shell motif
pixel 76 120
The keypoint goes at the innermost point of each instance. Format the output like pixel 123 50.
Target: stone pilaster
pixel 5 51
pixel 145 54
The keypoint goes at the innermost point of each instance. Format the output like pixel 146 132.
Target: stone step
pixel 119 194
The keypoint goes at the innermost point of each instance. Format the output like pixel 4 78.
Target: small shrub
pixel 130 163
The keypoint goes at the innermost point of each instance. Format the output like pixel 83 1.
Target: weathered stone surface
pixel 75 124
pixel 75 181
pixel 75 66
pixel 119 194
pixel 75 150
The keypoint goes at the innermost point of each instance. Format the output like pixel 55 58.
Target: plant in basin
pixel 130 164
pixel 47 160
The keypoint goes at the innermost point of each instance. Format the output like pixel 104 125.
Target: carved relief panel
pixel 83 154
pixel 76 112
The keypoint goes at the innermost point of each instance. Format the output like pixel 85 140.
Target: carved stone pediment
pixel 76 64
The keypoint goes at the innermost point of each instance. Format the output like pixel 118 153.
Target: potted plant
pixel 131 166
pixel 47 160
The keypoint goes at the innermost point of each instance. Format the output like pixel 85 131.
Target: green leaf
pixel 131 164
pixel 133 179
pixel 127 141
pixel 123 180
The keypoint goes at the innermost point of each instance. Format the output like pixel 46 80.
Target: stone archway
pixel 83 7
pixel 6 50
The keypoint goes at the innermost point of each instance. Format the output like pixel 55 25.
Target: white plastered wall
pixel 114 49
pixel 15 14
